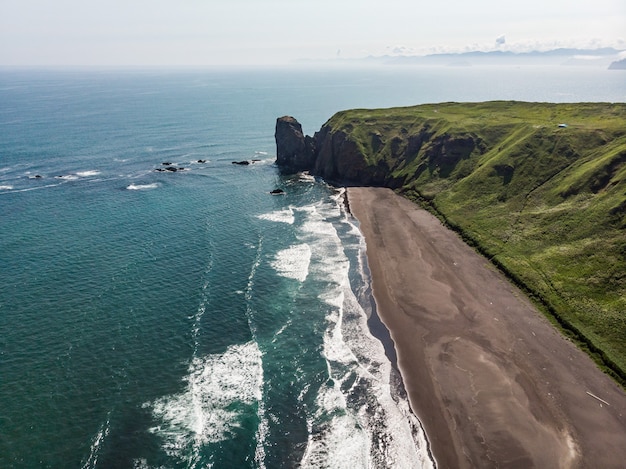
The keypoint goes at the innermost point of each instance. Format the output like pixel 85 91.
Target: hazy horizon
pixel 279 32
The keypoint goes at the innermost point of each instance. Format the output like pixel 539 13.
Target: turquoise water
pixel 189 318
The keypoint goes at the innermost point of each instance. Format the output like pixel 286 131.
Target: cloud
pixel 500 40
pixel 400 50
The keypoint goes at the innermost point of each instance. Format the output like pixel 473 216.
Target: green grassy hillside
pixel 538 188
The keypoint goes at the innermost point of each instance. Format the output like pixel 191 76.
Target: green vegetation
pixel 545 202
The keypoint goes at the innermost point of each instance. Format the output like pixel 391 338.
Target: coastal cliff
pixel 538 188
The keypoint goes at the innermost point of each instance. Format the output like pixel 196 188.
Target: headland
pixel 500 345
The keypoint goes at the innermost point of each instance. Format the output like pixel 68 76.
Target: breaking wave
pixel 293 262
pixel 220 391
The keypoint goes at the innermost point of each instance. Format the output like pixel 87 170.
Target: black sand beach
pixel 494 384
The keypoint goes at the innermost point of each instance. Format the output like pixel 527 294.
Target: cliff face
pixel 338 158
pixel 340 155
pixel 539 188
pixel 332 154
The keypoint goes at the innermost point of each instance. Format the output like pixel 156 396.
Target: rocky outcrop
pixel 330 154
pixel 335 155
pixel 294 150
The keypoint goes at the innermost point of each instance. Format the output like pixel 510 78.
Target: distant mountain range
pixel 618 65
pixel 603 57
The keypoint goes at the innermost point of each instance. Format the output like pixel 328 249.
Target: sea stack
pixel 294 150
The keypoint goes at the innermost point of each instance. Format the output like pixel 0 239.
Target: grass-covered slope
pixel 538 188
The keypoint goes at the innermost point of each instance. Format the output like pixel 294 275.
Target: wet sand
pixel 494 384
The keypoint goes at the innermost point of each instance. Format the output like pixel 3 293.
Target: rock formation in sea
pixel 294 150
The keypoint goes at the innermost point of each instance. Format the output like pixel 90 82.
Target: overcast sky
pixel 212 32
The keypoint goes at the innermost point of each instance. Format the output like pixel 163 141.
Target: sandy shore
pixel 491 380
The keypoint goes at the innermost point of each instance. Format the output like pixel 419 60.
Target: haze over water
pixel 189 318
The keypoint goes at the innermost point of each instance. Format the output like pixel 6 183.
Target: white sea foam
pixel 219 390
pixel 142 187
pixel 306 177
pixel 6 188
pixel 293 262
pixel 85 174
pixel 336 439
pixel 281 216
pixel 329 260
pixel 281 330
pixel 96 444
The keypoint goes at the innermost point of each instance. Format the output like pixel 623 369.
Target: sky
pixel 269 32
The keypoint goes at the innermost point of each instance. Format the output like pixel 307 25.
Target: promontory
pixel 510 333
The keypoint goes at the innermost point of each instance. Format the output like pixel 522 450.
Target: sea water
pixel 155 318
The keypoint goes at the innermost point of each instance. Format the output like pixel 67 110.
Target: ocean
pixel 186 319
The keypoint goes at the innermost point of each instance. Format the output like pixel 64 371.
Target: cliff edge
pixel 538 188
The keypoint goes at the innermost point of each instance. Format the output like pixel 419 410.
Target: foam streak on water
pixel 262 429
pixel 92 460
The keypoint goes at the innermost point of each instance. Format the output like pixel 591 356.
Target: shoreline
pixel 491 380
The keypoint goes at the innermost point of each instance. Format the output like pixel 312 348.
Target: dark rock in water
pixel 242 163
pixel 171 169
pixel 277 192
pixel 294 150
pixel 166 163
pixel 201 161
